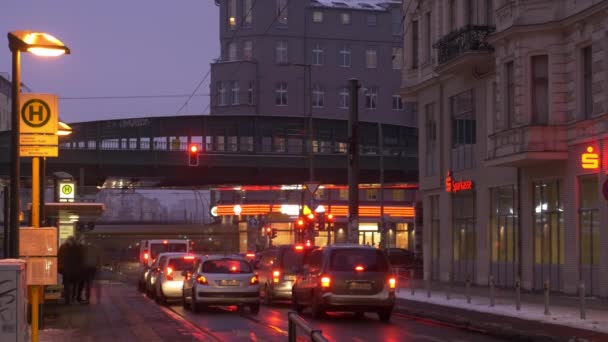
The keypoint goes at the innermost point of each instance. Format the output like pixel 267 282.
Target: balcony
pixel 469 39
pixel 527 145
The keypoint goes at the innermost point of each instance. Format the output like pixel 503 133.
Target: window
pixel 281 11
pixel 248 49
pixel 451 15
pixel 429 39
pixel 231 14
pixel 281 52
pixel 464 130
pixel 280 93
pixel 397 58
pixel 589 222
pixel 372 20
pixel 248 13
pixel 540 90
pixel 415 43
pixel 587 85
pixel 220 93
pixel 371 97
pixel 371 194
pixel 431 144
pixel 371 59
pixel 398 195
pixel 344 59
pixel 510 94
pixel 318 96
pixel 396 21
pixel 234 93
pixel 317 17
pixel 251 93
pixel 232 52
pixel 317 55
pixel 397 103
pixel 343 98
pixel 464 235
pixel 345 18
pixel 504 234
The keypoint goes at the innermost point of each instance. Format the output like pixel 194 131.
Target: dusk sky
pixel 120 48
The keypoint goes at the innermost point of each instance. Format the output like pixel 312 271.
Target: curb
pixel 503 327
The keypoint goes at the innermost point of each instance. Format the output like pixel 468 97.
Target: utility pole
pixel 353 163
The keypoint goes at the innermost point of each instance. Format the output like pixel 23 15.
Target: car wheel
pixel 317 307
pixel 385 314
pixel 184 303
pixel 267 295
pixel 254 308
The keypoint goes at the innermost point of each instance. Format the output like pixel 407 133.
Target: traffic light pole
pixel 353 163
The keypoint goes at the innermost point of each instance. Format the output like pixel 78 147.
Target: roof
pixel 370 5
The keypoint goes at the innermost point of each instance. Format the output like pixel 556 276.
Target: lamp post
pixel 40 44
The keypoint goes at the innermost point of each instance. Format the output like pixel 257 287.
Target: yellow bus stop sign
pixel 38 113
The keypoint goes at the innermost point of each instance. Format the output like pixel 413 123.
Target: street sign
pixel 605 189
pixel 38 151
pixel 66 191
pixel 312 187
pixel 39 139
pixel 38 113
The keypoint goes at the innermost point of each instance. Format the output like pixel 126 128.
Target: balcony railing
pixel 468 38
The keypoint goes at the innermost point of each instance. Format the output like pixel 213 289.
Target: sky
pixel 150 49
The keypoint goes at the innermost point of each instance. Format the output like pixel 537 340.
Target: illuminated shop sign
pixel 590 159
pixel 454 186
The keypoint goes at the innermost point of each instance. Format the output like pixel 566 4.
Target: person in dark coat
pixel 90 264
pixel 70 266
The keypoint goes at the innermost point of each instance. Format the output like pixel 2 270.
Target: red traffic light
pixel 193 148
pixel 193 155
pixel 311 216
pixel 300 223
pixel 330 217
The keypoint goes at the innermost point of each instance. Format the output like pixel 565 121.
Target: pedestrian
pixel 69 265
pixel 89 270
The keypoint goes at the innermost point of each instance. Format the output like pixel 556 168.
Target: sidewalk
pixel 119 314
pixel 503 318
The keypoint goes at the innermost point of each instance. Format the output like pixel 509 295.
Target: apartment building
pixel 513 103
pixel 5 102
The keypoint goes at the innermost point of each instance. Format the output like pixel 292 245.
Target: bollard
pixel 427 281
pixel 449 290
pixel 491 291
pixel 291 328
pixel 468 289
pixel 412 281
pixel 546 285
pixel 517 294
pixel 581 293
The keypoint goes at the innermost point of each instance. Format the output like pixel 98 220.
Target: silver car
pixel 170 277
pixel 222 280
pixel 151 274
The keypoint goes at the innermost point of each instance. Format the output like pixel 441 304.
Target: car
pixel 221 280
pixel 150 275
pixel 403 261
pixel 149 251
pixel 170 277
pixel 346 277
pixel 277 268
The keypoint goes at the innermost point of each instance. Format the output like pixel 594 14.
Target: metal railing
pixel 468 38
pixel 296 322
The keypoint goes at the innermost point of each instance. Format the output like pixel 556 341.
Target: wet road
pixel 230 324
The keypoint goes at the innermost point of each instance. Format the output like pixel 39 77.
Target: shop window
pixel 464 130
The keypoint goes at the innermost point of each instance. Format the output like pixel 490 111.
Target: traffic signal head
pixel 193 155
pixel 311 216
pixel 330 217
pixel 268 231
pixel 300 223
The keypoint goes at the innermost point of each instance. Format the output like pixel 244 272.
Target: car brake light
pixel 359 268
pixel 250 255
pixel 325 282
pixel 275 276
pixel 169 273
pixel 254 280
pixel 202 280
pixel 189 257
pixel 308 243
pixel 392 283
pixel 299 248
pixel 165 242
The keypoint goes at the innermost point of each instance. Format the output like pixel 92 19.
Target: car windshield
pixel 181 264
pixel 293 260
pixel 226 266
pixel 158 248
pixel 349 259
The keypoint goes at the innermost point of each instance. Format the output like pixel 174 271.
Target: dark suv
pixel 277 268
pixel 346 278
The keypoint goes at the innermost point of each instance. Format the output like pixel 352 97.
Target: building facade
pixel 5 103
pixel 513 110
pixel 294 58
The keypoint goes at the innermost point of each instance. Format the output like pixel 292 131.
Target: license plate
pixel 230 283
pixel 290 277
pixel 360 286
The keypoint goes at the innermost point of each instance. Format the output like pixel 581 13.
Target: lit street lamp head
pixel 63 129
pixel 38 43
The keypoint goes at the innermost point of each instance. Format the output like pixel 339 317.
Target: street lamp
pixel 39 44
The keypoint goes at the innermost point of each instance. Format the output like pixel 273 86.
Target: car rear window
pixel 181 264
pixel 293 260
pixel 348 259
pixel 158 248
pixel 226 266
